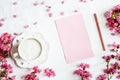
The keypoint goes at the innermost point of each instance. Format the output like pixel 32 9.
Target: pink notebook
pixel 74 38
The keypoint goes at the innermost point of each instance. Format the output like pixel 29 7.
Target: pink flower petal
pixel 1 24
pixel 15 33
pixel 48 10
pixel 15 16
pixel 15 3
pixel 113 34
pixel 50 14
pixel 49 72
pixel 2 19
pixel 1 58
pixel 83 1
pixel 35 3
pixel 42 3
pixel 26 26
pixel 75 10
pixel 62 2
pixel 61 13
pixel 35 23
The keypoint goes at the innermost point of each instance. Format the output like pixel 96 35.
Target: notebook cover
pixel 74 38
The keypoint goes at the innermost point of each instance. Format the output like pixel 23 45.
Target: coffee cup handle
pixel 15 55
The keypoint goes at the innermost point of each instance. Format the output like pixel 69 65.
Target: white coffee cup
pixel 29 49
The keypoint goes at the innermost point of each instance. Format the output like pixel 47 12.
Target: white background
pixel 28 14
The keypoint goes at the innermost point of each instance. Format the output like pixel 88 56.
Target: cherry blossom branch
pixel 83 72
pixel 112 68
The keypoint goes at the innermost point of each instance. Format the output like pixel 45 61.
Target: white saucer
pixel 29 49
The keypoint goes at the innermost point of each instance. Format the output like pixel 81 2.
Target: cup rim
pixel 19 46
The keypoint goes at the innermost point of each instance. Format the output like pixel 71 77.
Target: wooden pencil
pixel 99 31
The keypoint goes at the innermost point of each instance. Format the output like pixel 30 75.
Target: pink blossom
pixel 115 45
pixel 6 38
pixel 111 22
pixel 5 47
pixel 118 19
pixel 78 72
pixel 49 72
pixel 102 77
pixel 107 58
pixel 1 58
pixel 1 24
pixel 50 14
pixel 6 66
pixel 6 70
pixel 116 65
pixel 117 29
pixel 108 14
pixel 110 70
pixel 4 61
pixel 28 76
pixel 5 44
pixel 36 69
pixel 115 24
pixel 11 78
pixel 82 72
pixel 117 56
pixel 84 66
pixel 113 18
pixel 118 76
pixel 33 74
pixel 117 7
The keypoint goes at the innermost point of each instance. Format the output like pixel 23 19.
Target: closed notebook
pixel 74 38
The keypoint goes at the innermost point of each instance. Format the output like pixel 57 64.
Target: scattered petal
pixel 2 19
pixel 33 75
pixel 15 3
pixel 75 10
pixel 113 34
pixel 42 3
pixel 61 13
pixel 26 26
pixel 48 10
pixel 15 16
pixel 15 33
pixel 1 24
pixel 35 23
pixel 35 3
pixel 50 14
pixel 49 72
pixel 83 1
pixel 62 2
